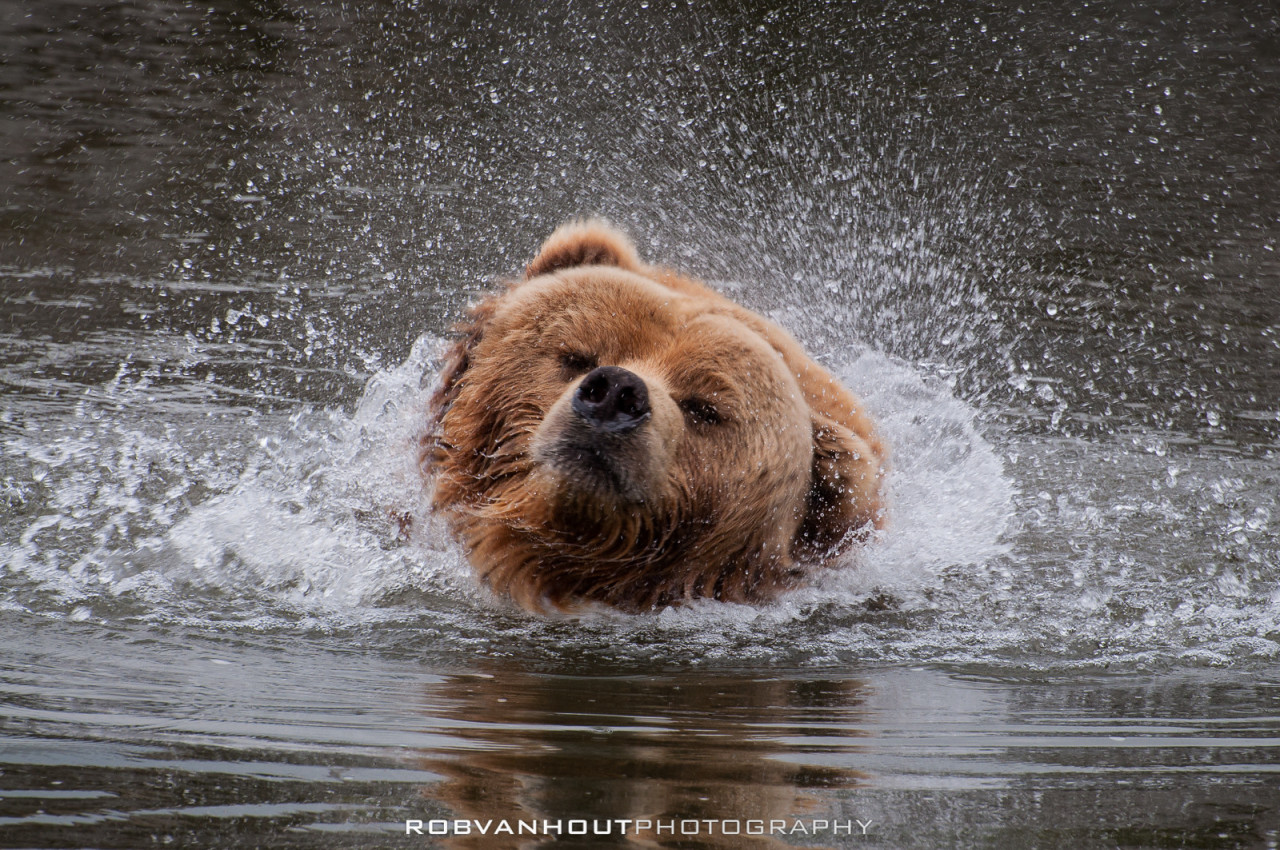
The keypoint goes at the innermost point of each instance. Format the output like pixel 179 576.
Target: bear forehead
pixel 619 314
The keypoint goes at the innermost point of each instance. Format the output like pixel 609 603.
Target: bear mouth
pixel 585 467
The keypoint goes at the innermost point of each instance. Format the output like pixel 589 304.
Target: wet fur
pixel 734 513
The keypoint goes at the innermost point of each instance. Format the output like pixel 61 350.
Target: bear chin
pixel 604 431
pixel 589 471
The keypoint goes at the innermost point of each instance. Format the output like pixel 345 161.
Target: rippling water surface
pixel 1041 243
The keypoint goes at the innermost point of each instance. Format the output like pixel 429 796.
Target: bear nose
pixel 613 399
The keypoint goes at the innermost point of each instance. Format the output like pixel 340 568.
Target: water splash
pixel 294 513
pixel 295 516
pixel 220 518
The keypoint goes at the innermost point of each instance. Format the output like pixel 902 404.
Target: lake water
pixel 1039 240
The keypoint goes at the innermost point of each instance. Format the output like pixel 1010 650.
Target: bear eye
pixel 573 364
pixel 700 411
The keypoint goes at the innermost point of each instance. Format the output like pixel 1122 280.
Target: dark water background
pixel 1040 239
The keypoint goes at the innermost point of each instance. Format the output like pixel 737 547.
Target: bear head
pixel 606 431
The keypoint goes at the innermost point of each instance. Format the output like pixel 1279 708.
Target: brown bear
pixel 608 431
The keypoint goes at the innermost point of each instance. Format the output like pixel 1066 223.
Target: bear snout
pixel 610 436
pixel 612 399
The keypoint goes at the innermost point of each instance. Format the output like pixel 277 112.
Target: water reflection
pixel 731 749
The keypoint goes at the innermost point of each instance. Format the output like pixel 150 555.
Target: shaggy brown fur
pixel 608 431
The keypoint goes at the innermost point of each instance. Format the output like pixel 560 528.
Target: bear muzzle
pixel 610 435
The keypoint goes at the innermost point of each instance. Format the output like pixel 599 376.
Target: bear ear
pixel 590 242
pixel 844 504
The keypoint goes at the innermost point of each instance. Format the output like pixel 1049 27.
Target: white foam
pixel 949 498
pixel 316 520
